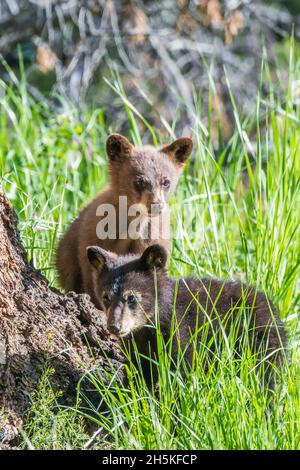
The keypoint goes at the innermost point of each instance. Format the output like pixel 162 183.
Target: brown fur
pixel 126 165
pixel 197 301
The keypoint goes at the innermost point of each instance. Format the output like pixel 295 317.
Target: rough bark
pixel 37 323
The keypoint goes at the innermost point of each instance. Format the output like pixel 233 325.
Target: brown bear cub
pixel 145 177
pixel 132 289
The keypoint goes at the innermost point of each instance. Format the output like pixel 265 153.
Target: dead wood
pixel 163 47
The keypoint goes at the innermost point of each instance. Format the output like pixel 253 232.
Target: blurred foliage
pixel 292 5
pixel 167 54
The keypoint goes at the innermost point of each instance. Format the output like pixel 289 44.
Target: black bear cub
pixel 133 289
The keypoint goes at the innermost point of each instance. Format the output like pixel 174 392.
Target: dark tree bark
pixel 37 323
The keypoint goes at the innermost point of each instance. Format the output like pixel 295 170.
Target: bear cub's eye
pixel 139 183
pixel 166 183
pixel 131 300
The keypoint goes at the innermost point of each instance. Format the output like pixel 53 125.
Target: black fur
pixel 197 301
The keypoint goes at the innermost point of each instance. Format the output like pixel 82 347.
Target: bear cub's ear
pixel 100 259
pixel 118 148
pixel 180 150
pixel 155 256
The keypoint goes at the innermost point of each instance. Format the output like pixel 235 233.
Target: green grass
pixel 237 219
pixel 46 430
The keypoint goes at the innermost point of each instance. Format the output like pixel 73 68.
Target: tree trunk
pixel 39 323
